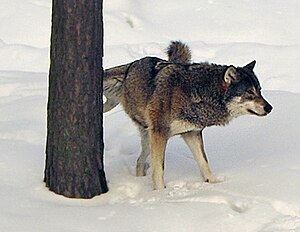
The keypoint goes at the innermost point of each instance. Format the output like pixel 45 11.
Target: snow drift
pixel 257 157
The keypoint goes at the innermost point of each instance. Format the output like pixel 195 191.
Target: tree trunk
pixel 74 150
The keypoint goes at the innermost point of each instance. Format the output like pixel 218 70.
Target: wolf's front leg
pixel 195 142
pixel 158 144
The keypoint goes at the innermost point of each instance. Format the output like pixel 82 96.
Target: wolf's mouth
pixel 257 114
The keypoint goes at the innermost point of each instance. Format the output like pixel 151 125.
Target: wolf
pixel 172 97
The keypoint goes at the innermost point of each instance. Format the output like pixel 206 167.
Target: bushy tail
pixel 179 52
pixel 112 85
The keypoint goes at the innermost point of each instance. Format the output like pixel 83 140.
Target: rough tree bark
pixel 74 150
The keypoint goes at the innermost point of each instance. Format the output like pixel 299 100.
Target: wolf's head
pixel 243 92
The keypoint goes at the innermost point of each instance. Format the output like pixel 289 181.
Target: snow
pixel 258 158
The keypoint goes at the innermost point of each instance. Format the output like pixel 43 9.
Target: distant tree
pixel 74 150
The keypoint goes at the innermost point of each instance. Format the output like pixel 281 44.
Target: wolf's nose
pixel 268 108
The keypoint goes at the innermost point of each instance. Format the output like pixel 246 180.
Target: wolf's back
pixel 114 78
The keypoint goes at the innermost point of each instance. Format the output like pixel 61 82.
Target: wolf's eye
pixel 251 92
pixel 259 91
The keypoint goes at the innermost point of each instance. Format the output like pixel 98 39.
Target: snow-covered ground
pixel 259 158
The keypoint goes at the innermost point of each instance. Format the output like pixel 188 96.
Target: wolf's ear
pixel 230 75
pixel 251 65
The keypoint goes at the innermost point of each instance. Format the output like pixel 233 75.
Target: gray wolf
pixel 176 97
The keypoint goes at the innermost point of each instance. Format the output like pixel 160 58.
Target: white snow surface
pixel 259 158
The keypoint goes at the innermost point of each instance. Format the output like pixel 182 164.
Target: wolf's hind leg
pixel 142 165
pixel 158 143
pixel 195 142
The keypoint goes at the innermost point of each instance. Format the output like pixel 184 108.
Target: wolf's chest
pixel 181 126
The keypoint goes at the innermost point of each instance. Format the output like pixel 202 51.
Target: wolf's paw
pixel 158 186
pixel 213 179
